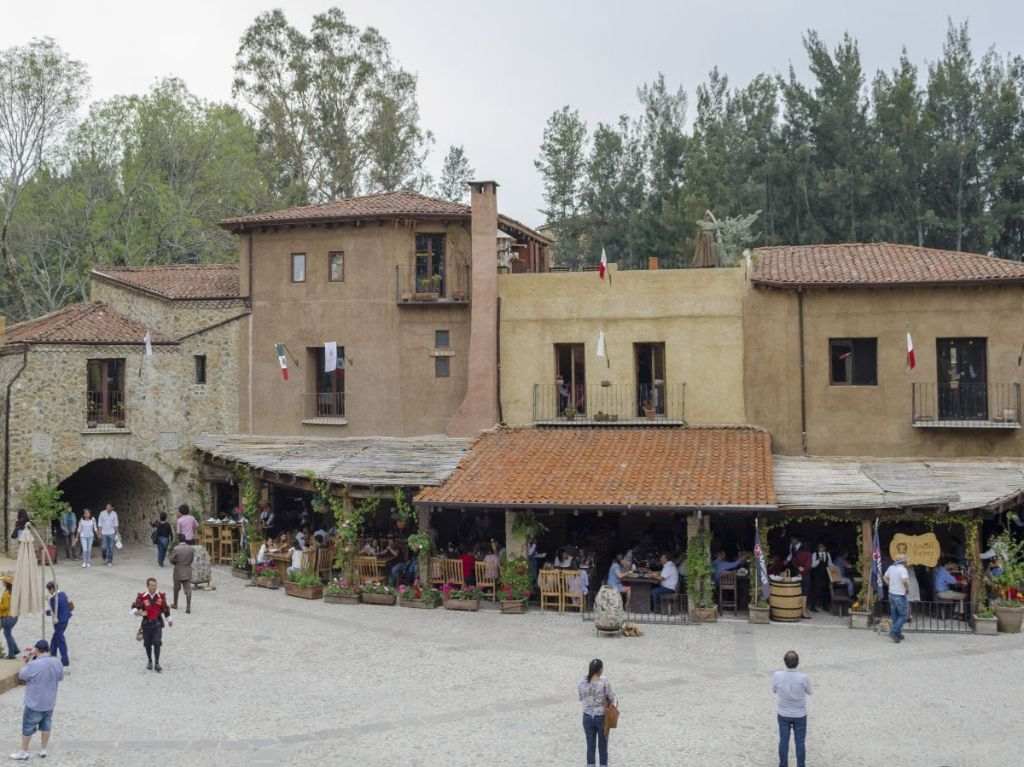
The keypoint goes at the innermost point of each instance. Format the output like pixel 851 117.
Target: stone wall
pixel 171 319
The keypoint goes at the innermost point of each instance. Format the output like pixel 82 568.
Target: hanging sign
pixel 918 549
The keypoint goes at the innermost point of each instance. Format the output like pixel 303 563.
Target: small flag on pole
pixel 148 340
pixel 282 358
pixel 601 352
pixel 330 356
pixel 762 568
pixel 603 266
pixel 911 358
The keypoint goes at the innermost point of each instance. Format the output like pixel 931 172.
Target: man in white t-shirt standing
pixel 898 580
pixel 108 532
pixel 791 688
pixel 669 582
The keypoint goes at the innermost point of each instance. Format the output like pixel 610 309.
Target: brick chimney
pixel 479 408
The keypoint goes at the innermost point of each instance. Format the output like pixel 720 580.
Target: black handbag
pixel 155 535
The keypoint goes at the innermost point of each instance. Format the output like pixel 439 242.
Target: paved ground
pixel 256 678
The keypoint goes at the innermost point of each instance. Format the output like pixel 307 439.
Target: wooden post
pixel 974 553
pixel 423 561
pixel 867 550
pixel 515 545
pixel 693 527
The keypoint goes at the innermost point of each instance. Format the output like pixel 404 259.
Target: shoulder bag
pixel 611 715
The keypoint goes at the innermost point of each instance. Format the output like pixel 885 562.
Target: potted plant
pixel 266 576
pixel 1008 606
pixel 403 513
pixel 985 621
pixel 304 584
pixel 514 587
pixel 339 591
pixel 700 587
pixel 378 594
pixel 466 598
pixel 417 596
pixel 240 566
pixel 649 410
pixel 569 413
pixel 45 503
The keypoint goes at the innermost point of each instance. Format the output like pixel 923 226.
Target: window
pixel 105 392
pixel 650 378
pixel 963 379
pixel 200 368
pixel 442 367
pixel 430 263
pixel 570 378
pixel 298 267
pixel 441 340
pixel 853 361
pixel 328 397
pixel 336 266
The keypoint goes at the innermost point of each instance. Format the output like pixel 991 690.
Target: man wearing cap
pixel 898 580
pixel 41 675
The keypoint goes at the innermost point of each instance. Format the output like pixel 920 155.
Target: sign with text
pixel 919 549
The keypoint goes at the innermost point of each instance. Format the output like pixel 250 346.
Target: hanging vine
pixel 249 499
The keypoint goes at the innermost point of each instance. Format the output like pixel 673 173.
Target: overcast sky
pixel 490 72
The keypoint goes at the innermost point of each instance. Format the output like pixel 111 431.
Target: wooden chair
pixel 324 562
pixel 254 551
pixel 453 572
pixel 208 541
pixel 484 583
pixel 727 592
pixel 550 584
pixel 368 569
pixel 572 590
pixel 436 572
pixel 226 544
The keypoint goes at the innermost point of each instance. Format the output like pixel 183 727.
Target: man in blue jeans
pixel 60 609
pixel 898 580
pixel 41 675
pixel 107 524
pixel 791 688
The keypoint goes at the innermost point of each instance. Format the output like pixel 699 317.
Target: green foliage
pixel 304 578
pixel 527 525
pixel 377 588
pixel 698 571
pixel 416 593
pixel 249 497
pixel 1011 558
pixel 403 509
pixel 467 593
pixel 44 502
pixel 418 542
pixel 515 579
pixel 340 587
pixel 241 560
pixel 456 173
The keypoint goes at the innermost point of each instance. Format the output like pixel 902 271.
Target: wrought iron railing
pixel 609 404
pixel 327 405
pixel 966 404
pixel 943 617
pixel 453 287
pixel 105 408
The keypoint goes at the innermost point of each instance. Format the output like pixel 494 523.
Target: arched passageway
pixel 135 491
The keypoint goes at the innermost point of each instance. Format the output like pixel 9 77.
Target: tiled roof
pixel 876 264
pixel 81 324
pixel 613 467
pixel 179 281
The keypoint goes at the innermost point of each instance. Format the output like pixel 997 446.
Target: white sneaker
pixel 42 753
pixel 21 756
pixel 83 564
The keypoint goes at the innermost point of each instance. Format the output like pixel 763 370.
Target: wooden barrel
pixel 786 601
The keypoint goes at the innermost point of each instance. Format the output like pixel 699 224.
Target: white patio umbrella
pixel 28 593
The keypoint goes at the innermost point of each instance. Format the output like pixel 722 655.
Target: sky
pixel 491 73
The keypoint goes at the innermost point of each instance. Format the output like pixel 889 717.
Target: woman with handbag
pixel 161 537
pixel 599 711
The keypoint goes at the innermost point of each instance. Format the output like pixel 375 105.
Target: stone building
pixel 84 403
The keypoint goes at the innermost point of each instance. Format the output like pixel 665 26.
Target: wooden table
pixel 639 591
pixel 281 563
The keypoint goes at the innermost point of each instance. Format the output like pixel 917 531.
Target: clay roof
pixel 373 206
pixel 178 281
pixel 641 468
pixel 876 264
pixel 81 324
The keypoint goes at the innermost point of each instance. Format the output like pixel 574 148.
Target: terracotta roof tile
pixel 876 264
pixel 179 281
pixel 609 467
pixel 81 324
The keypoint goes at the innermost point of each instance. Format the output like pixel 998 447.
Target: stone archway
pixel 135 491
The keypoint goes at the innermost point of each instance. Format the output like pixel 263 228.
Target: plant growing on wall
pixel 1010 581
pixel 348 521
pixel 45 502
pixel 403 513
pixel 527 525
pixel 249 498
pixel 698 571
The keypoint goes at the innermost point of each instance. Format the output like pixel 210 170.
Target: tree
pixel 41 88
pixel 562 165
pixel 456 173
pixel 614 192
pixel 395 144
pixel 1002 130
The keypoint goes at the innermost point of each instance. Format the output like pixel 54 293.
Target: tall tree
pixel 562 165
pixel 613 193
pixel 1002 130
pixel 456 173
pixel 41 88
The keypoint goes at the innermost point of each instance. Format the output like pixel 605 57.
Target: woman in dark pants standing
pixel 595 692
pixel 161 537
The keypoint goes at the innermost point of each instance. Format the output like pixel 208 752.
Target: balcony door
pixel 963 379
pixel 650 378
pixel 329 398
pixel 430 264
pixel 571 378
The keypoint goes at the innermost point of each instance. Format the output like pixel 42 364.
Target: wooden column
pixel 867 535
pixel 974 556
pixel 423 560
pixel 693 527
pixel 515 545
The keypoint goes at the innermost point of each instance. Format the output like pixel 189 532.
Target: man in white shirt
pixel 669 582
pixel 791 688
pixel 898 580
pixel 107 523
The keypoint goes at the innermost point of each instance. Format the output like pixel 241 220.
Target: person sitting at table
pixel 492 563
pixel 298 554
pixel 369 548
pixel 945 584
pixel 562 560
pixel 468 566
pixel 403 571
pixel 579 584
pixel 615 573
pixel 669 582
pixel 723 565
pixel 841 562
pixel 263 555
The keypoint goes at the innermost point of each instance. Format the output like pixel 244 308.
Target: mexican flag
pixel 603 266
pixel 283 359
pixel 911 359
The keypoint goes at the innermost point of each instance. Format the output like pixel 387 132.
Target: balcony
pixel 325 409
pixel 418 290
pixel 105 410
pixel 609 405
pixel 963 405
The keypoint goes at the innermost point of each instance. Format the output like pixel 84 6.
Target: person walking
pixel 152 606
pixel 8 621
pixel 86 535
pixel 61 609
pixel 107 523
pixel 161 537
pixel 898 580
pixel 595 693
pixel 186 525
pixel 42 673
pixel 791 688
pixel 181 559
pixel 68 527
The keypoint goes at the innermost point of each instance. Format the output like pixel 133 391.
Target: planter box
pixel 512 606
pixel 426 296
pixel 238 572
pixel 860 619
pixel 986 626
pixel 705 614
pixel 759 615
pixel 303 592
pixel 378 599
pixel 466 605
pixel 1009 619
pixel 268 583
pixel 420 604
pixel 341 599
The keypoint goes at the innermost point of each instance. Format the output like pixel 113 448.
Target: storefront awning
pixel 726 468
pixel 384 461
pixel 849 483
